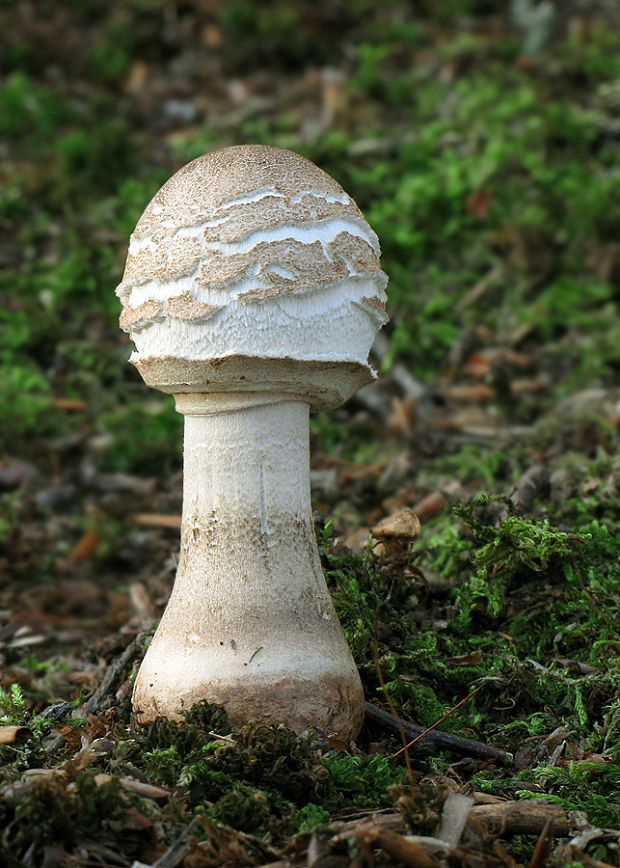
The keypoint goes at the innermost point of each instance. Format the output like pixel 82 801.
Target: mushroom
pixel 396 532
pixel 252 292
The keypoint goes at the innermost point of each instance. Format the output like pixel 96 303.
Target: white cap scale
pixel 252 291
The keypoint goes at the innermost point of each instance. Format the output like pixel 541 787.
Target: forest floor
pixel 483 150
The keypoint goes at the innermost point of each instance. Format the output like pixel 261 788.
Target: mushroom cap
pixel 401 525
pixel 252 269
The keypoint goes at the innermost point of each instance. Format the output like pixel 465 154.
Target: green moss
pixel 311 816
pixel 13 706
pixel 143 441
pixel 364 780
pixel 507 554
pixel 584 786
pixel 266 781
pixel 111 54
pixel 48 813
pixel 30 110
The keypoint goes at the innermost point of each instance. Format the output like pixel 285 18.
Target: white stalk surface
pixel 250 623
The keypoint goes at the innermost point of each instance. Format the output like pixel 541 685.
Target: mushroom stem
pixel 250 623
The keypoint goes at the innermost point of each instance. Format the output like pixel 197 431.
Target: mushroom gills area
pixel 250 623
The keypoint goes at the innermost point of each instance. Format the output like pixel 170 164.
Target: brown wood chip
pixel 14 734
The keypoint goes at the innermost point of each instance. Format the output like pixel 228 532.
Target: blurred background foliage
pixel 480 139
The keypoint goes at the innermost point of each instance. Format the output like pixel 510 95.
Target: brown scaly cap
pixel 212 182
pixel 244 213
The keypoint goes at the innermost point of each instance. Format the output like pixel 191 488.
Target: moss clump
pixel 256 782
pixel 508 554
pixel 275 758
pixel 47 810
pixel 593 787
pixel 528 613
pixel 266 780
pixel 191 735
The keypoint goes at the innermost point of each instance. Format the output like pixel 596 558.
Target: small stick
pixel 541 852
pixel 437 722
pixel 109 681
pixel 395 845
pixel 179 849
pixel 395 717
pixel 436 740
pixel 527 817
pixel 113 673
pixel 155 519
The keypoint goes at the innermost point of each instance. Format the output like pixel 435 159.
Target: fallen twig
pixel 109 681
pixel 528 817
pixel 179 849
pixel 435 740
pixel 395 845
pixel 113 673
pixel 507 818
pixel 395 717
pixel 542 850
pixel 437 722
pixel 155 519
